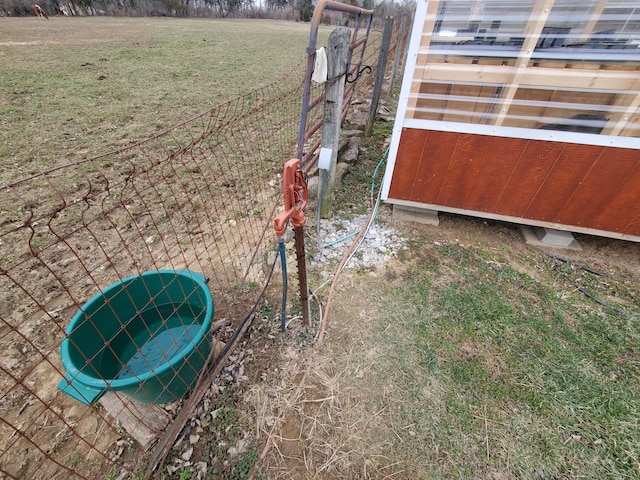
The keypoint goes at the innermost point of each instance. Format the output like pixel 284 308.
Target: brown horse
pixel 38 11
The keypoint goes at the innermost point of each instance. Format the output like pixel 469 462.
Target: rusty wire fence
pixel 198 198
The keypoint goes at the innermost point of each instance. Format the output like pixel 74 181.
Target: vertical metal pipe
pixel 305 98
pixel 311 50
pixel 298 233
pixel 285 284
pixel 377 87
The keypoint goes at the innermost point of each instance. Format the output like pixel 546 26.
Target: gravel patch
pixel 381 243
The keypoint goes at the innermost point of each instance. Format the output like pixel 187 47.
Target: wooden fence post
pixel 337 56
pixel 382 66
pixel 396 57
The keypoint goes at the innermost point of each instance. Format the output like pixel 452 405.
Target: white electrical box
pixel 324 161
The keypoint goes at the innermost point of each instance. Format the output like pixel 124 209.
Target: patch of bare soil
pixel 36 42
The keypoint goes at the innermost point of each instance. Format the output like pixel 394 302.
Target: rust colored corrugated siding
pixel 571 184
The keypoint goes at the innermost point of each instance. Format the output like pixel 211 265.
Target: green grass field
pixel 493 359
pixel 534 378
pixel 73 88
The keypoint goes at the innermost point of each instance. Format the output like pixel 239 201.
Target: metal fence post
pixel 382 65
pixel 396 57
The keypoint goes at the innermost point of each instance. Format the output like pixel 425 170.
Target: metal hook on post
pixel 362 71
pixel 294 192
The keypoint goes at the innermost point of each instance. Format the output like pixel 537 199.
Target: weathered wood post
pixel 382 66
pixel 337 55
pixel 396 57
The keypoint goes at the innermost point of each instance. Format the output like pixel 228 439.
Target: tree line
pixel 299 10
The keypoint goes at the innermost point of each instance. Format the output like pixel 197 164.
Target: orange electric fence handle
pixel 294 191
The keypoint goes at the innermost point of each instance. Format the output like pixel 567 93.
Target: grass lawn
pixel 73 88
pixel 531 377
pixel 471 359
pixel 469 356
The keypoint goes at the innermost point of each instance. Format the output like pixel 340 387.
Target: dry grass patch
pixel 451 363
pixel 320 414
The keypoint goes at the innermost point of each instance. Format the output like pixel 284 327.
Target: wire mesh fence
pixel 201 197
pixel 106 270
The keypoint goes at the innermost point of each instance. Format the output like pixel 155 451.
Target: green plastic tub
pixel 146 337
